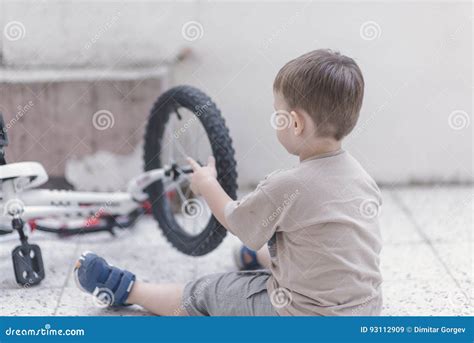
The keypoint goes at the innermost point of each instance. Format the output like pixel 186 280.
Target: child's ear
pixel 298 122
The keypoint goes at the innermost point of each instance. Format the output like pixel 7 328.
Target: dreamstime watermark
pixel 27 285
pixel 366 304
pixel 454 299
pixel 369 208
pixel 280 120
pixel 281 297
pixel 91 221
pixel 103 120
pixel 13 207
pixel 103 297
pixel 289 198
pixel 20 112
pixel 282 29
pixel 192 208
pixel 458 299
pixel 198 112
pixel 47 330
pixel 370 30
pixel 459 120
pixel 186 302
pixel 102 30
pixel 192 31
pixel 14 31
pixel 362 126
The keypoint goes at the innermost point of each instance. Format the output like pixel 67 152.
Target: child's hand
pixel 202 175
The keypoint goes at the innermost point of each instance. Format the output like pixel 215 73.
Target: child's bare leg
pixel 263 257
pixel 160 299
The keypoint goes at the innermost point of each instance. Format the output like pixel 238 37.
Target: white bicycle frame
pixel 19 199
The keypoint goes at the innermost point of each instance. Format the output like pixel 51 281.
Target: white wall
pixel 418 70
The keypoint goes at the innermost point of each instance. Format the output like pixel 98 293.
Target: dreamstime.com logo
pixel 13 207
pixel 363 306
pixel 370 30
pixel 281 297
pixel 192 31
pixel 369 208
pixel 45 331
pixel 280 120
pixel 103 297
pixel 103 120
pixel 198 112
pixel 91 221
pixel 459 120
pixel 14 31
pixel 102 30
pixel 282 29
pixel 189 300
pixel 288 199
pixel 192 208
pixel 458 299
pixel 20 112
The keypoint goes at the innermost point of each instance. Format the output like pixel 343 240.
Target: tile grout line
pixel 425 237
pixel 66 281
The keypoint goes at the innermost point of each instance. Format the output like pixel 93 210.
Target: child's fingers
pixel 211 161
pixel 193 164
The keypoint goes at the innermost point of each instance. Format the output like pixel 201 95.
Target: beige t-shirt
pixel 320 220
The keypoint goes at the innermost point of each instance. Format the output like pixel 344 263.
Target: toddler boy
pixel 318 219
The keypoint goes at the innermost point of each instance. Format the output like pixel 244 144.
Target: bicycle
pixel 162 189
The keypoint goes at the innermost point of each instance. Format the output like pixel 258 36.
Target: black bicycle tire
pixel 221 144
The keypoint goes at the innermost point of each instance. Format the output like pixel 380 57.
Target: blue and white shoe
pixel 110 285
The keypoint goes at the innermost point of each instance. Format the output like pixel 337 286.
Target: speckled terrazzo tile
pixel 410 262
pixel 33 301
pixel 445 214
pixel 424 298
pixel 459 258
pixel 467 291
pixel 395 227
pixel 77 303
pixel 416 283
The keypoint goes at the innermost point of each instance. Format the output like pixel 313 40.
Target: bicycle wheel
pixel 185 122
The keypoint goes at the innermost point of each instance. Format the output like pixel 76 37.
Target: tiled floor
pixel 426 260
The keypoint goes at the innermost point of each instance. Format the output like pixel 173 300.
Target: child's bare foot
pixel 246 259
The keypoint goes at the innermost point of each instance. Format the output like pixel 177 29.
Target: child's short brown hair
pixel 327 85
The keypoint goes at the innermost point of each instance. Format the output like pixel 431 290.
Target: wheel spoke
pixel 179 191
pixel 180 148
pixel 171 156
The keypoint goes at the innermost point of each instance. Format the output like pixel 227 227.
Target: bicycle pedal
pixel 28 264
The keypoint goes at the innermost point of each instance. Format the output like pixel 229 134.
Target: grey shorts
pixel 229 294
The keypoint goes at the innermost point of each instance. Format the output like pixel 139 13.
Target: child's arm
pixel 204 182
